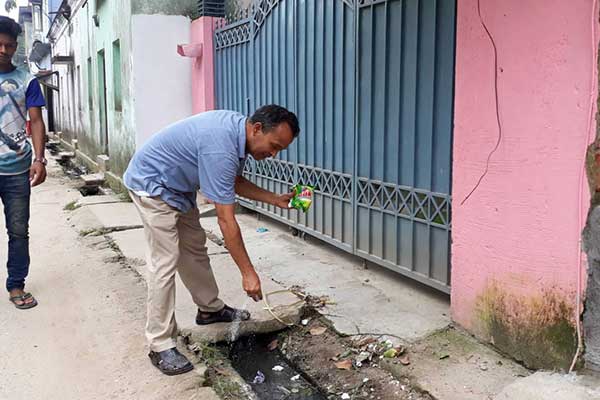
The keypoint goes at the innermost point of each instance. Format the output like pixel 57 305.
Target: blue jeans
pixel 15 192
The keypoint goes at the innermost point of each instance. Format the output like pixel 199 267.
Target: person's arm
pixel 235 244
pixel 217 174
pixel 37 172
pixel 247 189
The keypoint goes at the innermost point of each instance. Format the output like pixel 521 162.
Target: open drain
pixel 268 372
pixel 90 190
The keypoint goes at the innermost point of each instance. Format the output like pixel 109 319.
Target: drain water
pixel 267 372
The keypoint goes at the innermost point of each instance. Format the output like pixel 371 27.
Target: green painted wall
pixel 114 18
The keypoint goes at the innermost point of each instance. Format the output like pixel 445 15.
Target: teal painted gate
pixel 372 84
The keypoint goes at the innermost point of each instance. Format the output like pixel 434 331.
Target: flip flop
pixel 21 298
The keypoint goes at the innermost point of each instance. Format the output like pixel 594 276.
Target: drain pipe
pixel 580 197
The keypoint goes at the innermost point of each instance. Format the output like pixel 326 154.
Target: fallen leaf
pixel 273 345
pixel 391 353
pixel 404 360
pixel 319 330
pixel 346 364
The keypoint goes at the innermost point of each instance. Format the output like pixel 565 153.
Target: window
pixel 78 83
pixel 63 100
pixel 90 83
pixel 118 97
pixel 37 18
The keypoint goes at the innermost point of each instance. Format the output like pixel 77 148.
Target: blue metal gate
pixel 372 84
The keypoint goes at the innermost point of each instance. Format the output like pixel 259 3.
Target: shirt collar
pixel 242 138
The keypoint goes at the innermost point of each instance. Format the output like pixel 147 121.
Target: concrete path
pixel 551 386
pixel 371 300
pixel 85 339
pixel 132 244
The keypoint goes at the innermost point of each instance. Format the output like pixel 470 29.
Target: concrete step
pixel 93 179
pixel 64 155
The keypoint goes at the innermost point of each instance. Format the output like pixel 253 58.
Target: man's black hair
pixel 272 115
pixel 10 27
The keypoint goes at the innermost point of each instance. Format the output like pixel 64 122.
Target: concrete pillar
pixel 103 163
pixel 203 66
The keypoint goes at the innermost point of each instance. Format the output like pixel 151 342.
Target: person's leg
pixel 197 275
pixel 159 220
pixel 16 193
pixel 194 264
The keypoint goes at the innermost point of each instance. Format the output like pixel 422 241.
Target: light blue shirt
pixel 206 151
pixel 19 91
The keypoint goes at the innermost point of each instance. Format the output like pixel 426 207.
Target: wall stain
pixel 537 330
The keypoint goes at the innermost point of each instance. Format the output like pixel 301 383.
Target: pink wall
pixel 203 68
pixel 520 229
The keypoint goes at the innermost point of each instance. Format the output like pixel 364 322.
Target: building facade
pixel 119 76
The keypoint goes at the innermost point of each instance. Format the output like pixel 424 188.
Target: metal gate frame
pixel 405 228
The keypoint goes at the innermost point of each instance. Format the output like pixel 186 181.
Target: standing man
pixel 207 152
pixel 19 94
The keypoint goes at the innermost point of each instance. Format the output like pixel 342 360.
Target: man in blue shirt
pixel 207 152
pixel 19 94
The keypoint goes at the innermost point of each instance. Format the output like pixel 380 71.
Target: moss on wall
pixel 537 330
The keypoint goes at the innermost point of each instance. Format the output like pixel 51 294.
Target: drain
pixel 268 372
pixel 89 190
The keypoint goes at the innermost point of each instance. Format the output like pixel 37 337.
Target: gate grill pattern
pixel 372 84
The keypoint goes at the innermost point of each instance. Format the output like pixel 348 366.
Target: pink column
pixel 203 68
pixel 515 251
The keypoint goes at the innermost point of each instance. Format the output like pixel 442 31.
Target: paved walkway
pixel 85 338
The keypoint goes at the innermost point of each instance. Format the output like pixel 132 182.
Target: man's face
pixel 263 145
pixel 8 47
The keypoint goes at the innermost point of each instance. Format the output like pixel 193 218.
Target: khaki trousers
pixel 176 242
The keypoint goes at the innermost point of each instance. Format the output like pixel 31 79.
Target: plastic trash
pixel 303 195
pixel 259 378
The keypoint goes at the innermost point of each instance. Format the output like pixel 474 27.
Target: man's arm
pixel 235 245
pixel 247 189
pixel 37 172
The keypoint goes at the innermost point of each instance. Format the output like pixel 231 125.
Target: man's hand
pixel 251 284
pixel 249 190
pixel 37 173
pixel 283 200
pixel 235 245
